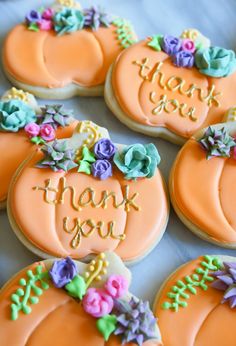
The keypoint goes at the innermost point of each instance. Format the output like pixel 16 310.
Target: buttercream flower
pixel 102 169
pixel 48 14
pixel 45 25
pixel 33 17
pixel 68 20
pixel 97 302
pixel 183 59
pixel 170 44
pixel 197 37
pixel 117 286
pixel 138 161
pixel 62 272
pixel 32 129
pixel 96 17
pixel 215 61
pixel 104 149
pixel 14 115
pixel 188 45
pixel 47 132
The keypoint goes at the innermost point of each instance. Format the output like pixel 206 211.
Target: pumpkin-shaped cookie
pixel 175 86
pixel 75 304
pixel 202 184
pixel 63 50
pixel 24 125
pixel 86 194
pixel 196 304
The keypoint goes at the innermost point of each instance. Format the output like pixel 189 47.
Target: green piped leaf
pixel 88 155
pixel 84 167
pixel 37 140
pixel 33 27
pixel 155 42
pixel 77 287
pixel 106 325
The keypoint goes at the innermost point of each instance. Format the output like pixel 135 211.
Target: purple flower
pixel 171 45
pixel 96 17
pixel 102 169
pixel 104 149
pixel 62 272
pixel 33 17
pixel 183 59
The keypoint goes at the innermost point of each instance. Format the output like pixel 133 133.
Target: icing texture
pixel 202 190
pixel 68 20
pixel 197 323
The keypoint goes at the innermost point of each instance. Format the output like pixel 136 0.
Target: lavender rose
pixel 183 59
pixel 33 17
pixel 62 272
pixel 102 169
pixel 171 45
pixel 104 149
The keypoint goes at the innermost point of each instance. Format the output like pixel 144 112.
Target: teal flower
pixel 68 20
pixel 215 61
pixel 138 161
pixel 15 115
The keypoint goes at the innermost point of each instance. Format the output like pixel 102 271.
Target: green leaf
pixel 106 325
pixel 84 167
pixel 77 287
pixel 37 140
pixel 33 27
pixel 155 42
pixel 88 155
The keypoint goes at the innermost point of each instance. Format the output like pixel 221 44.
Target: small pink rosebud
pixel 188 45
pixel 47 132
pixel 32 129
pixel 97 302
pixel 45 25
pixel 48 13
pixel 116 286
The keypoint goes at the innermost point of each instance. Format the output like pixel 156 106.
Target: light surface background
pixel 217 20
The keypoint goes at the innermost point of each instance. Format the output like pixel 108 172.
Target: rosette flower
pixel 32 129
pixel 15 115
pixel 170 44
pixel 138 161
pixel 116 286
pixel 183 59
pixel 104 149
pixel 102 169
pixel 96 17
pixel 33 17
pixel 215 61
pixel 68 20
pixel 62 272
pixel 47 132
pixel 97 302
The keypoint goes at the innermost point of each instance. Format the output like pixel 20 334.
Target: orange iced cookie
pixel 23 126
pixel 202 184
pixel 89 195
pixel 70 303
pixel 175 86
pixel 63 50
pixel 196 304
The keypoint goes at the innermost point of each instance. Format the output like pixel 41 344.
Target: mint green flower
pixel 14 115
pixel 137 161
pixel 68 20
pixel 215 61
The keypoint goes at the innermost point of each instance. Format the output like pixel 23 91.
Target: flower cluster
pixel 116 314
pixel 67 19
pixel 192 48
pixel 217 143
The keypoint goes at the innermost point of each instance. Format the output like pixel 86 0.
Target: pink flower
pixel 97 302
pixel 188 45
pixel 45 24
pixel 117 286
pixel 32 129
pixel 48 13
pixel 47 132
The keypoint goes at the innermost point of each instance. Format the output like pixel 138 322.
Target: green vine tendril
pixel 22 297
pixel 179 292
pixel 124 32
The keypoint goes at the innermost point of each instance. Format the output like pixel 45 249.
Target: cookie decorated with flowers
pixel 73 303
pixel 176 86
pixel 89 195
pixel 202 185
pixel 64 50
pixel 199 300
pixel 24 125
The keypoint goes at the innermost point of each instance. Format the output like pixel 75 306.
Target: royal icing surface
pixel 46 320
pixel 161 94
pixel 204 318
pixel 203 191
